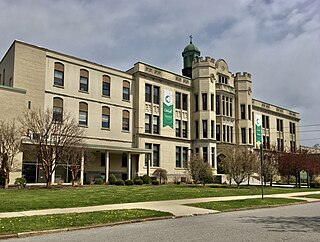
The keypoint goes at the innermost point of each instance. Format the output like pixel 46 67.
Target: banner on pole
pixel 258 120
pixel 167 111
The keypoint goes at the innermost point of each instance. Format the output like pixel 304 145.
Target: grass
pixel 317 196
pixel 65 197
pixel 47 222
pixel 245 203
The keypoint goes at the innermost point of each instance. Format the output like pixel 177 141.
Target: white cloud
pixel 276 41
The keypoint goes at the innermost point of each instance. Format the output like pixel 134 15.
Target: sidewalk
pixel 176 207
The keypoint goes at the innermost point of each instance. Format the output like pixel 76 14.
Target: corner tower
pixel 189 53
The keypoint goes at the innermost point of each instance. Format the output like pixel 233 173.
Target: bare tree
pixel 270 165
pixel 10 140
pixel 199 170
pixel 238 162
pixel 161 174
pixel 53 137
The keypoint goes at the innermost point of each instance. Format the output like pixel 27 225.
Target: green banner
pixel 167 112
pixel 258 129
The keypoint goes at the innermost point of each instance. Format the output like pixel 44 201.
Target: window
pixel 227 106
pixel 125 120
pixel 250 135
pixel 230 100
pixel 197 129
pixel 224 133
pixel 148 93
pixel 178 100
pixel 217 104
pixel 178 128
pixel 292 128
pixel 231 134
pixel 124 160
pixel 184 102
pixel 184 129
pixel 156 94
pixel 280 125
pixel 204 128
pixel 223 79
pixel 228 134
pixel 155 124
pixel 106 86
pixel 212 102
pixel 243 135
pixel 156 155
pixel 223 106
pixel 84 80
pixel 126 91
pixel 184 156
pixel 105 118
pixel 212 156
pixel 204 101
pixel 102 159
pixel 83 114
pixel 57 109
pixel 218 137
pixel 58 74
pixel 197 150
pixel 205 153
pixel 243 111
pixel 147 128
pixel 196 102
pixel 147 156
pixel 178 156
pixel 249 112
pixel 267 122
pixel 212 129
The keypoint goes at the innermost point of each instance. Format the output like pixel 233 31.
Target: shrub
pixel 112 179
pixel 21 181
pixel 119 183
pixel 98 181
pixel 146 179
pixel 155 182
pixel 138 181
pixel 129 182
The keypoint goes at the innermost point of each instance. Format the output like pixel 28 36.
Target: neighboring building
pixel 142 119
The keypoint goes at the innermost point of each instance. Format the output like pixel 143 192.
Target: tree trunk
pixel 248 180
pixel 6 180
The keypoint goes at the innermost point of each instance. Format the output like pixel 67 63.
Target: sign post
pixel 259 141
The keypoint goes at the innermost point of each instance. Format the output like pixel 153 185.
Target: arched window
pixel 126 91
pixel 125 120
pixel 106 117
pixel 83 114
pixel 57 109
pixel 84 80
pixel 106 86
pixel 58 74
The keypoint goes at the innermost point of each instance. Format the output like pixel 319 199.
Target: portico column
pixel 129 166
pixel 82 169
pixel 53 175
pixel 215 159
pixel 148 163
pixel 107 165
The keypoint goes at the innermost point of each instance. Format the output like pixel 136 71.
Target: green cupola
pixel 189 53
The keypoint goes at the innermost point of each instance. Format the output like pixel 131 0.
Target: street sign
pixel 303 175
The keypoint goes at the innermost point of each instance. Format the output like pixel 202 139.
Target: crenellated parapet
pixel 203 61
pixel 242 75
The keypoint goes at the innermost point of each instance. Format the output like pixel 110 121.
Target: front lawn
pixel 245 203
pixel 47 222
pixel 65 197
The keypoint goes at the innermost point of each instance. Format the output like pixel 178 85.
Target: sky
pixel 277 41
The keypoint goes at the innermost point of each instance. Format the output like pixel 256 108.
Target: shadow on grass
pixel 287 224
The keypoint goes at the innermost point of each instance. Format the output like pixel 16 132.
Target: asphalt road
pixel 290 223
